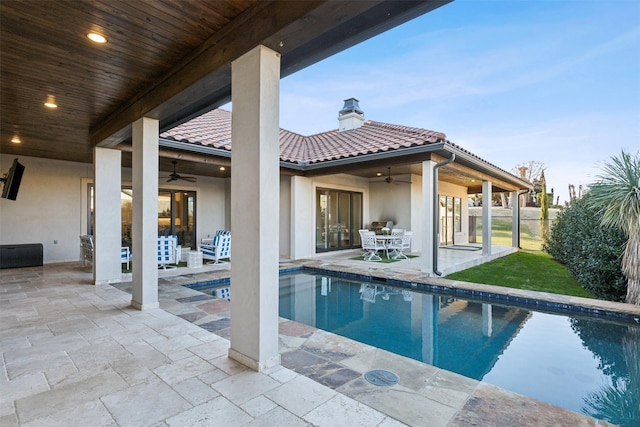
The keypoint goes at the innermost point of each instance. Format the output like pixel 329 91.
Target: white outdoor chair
pixel 217 248
pixel 398 248
pixel 167 251
pixel 370 245
pixel 86 251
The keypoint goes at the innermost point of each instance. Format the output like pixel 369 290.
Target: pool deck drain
pixel 381 377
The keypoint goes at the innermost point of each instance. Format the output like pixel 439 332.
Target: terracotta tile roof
pixel 213 129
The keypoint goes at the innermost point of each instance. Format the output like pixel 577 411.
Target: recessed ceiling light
pixel 379 174
pixel 222 168
pixel 16 139
pixel 97 38
pixel 51 102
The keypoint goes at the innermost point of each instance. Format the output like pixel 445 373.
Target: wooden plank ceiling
pixel 167 59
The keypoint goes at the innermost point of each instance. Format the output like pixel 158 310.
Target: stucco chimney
pixel 351 116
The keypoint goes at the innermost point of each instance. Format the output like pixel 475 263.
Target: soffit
pixel 168 60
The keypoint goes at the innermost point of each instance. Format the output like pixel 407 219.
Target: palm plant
pixel 617 195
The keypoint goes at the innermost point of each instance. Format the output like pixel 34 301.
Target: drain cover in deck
pixel 381 377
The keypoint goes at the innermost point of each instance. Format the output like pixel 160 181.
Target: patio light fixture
pixel 97 38
pixel 51 102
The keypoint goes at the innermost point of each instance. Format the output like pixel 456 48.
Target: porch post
pixel 107 233
pixel 515 219
pixel 486 217
pixel 428 232
pixel 255 195
pixel 302 216
pixel 144 229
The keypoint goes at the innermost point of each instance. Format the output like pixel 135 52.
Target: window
pixel 176 215
pixel 338 219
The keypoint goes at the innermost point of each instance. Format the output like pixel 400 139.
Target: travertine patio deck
pixel 76 354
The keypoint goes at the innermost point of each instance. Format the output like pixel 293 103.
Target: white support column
pixel 107 214
pixel 487 320
pixel 428 232
pixel 515 219
pixel 144 229
pixel 486 217
pixel 302 217
pixel 255 195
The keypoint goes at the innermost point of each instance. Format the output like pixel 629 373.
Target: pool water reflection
pixel 585 364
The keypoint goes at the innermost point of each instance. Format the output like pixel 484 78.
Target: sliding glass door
pixel 450 216
pixel 338 219
pixel 176 215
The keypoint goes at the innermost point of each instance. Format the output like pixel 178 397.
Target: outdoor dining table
pixel 386 240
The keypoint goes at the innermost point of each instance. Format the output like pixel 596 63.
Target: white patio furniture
pixel 399 247
pixel 370 245
pixel 218 248
pixel 86 251
pixel 168 251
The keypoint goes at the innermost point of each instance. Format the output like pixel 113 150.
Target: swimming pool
pixel 583 363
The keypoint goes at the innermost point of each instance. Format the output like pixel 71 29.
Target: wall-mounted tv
pixel 12 181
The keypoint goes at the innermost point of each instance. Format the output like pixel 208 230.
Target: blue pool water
pixel 586 364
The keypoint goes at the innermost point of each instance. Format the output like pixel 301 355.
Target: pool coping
pixel 544 301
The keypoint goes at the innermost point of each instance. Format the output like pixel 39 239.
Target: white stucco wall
pixel 391 202
pixel 285 216
pixel 52 205
pixel 47 209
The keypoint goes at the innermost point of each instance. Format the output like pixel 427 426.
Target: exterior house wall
pixel 286 224
pixel 47 209
pixel 391 202
pixel 300 201
pixel 52 205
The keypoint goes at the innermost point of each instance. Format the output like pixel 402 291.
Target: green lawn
pixel 529 269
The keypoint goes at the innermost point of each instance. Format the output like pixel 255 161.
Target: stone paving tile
pixel 400 403
pixel 145 403
pixel 211 350
pixel 342 411
pixel 216 325
pixel 40 362
pixel 195 391
pixel 91 413
pixel 300 395
pixel 215 306
pixel 195 298
pixel 244 386
pixel 295 329
pixel 23 386
pixel 65 399
pixel 182 369
pixel 258 406
pixel 218 411
pixel 278 417
pixel 193 316
pixel 101 352
pixel 492 406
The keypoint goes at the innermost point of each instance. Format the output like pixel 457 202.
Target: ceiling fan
pixel 175 176
pixel 389 179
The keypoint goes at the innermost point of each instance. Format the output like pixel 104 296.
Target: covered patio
pixel 78 354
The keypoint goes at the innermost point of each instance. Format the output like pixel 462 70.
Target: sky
pixel 553 81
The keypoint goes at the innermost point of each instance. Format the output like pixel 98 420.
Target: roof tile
pixel 213 129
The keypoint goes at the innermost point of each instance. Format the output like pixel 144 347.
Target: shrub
pixel 592 254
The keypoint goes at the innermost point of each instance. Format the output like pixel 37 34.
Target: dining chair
pixel 370 245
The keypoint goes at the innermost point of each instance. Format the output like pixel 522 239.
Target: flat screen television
pixel 12 181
